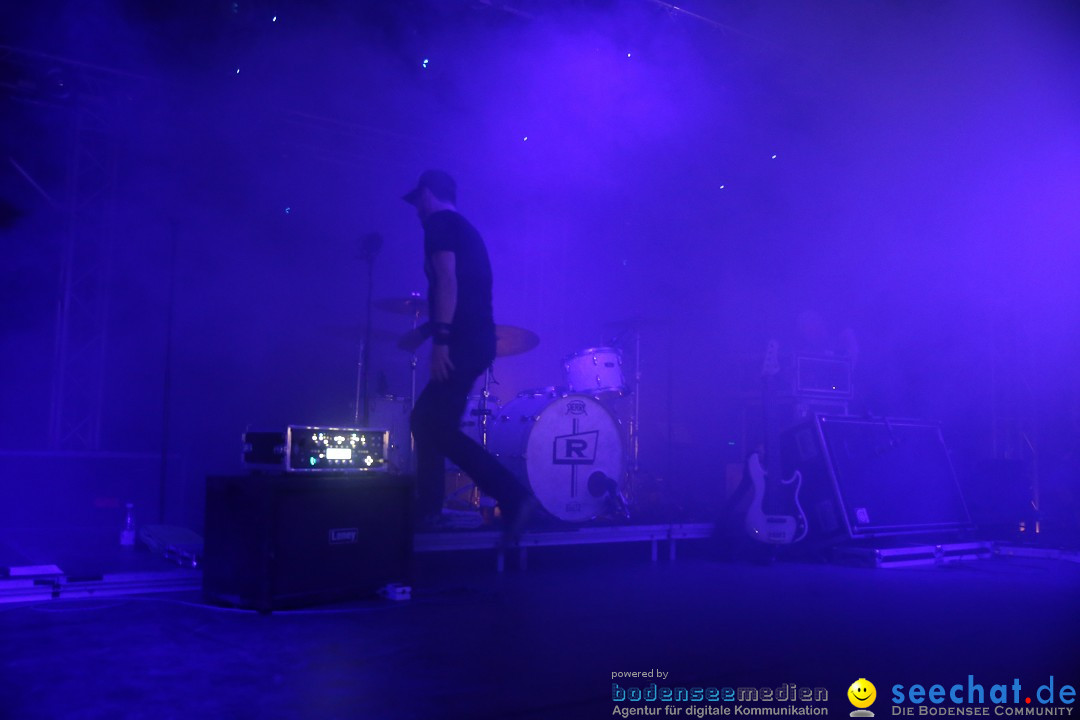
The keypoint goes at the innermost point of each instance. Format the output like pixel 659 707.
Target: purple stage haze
pixel 905 172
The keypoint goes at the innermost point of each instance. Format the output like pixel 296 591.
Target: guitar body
pixel 772 527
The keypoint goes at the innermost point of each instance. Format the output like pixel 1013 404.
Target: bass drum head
pixel 555 445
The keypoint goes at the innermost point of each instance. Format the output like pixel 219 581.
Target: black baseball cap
pixel 439 183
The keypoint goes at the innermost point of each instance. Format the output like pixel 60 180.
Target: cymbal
pixel 513 340
pixel 509 339
pixel 411 305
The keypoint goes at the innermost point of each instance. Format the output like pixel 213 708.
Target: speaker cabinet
pixel 277 541
pixel 866 478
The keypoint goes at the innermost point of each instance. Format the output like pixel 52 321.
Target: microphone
pixel 601 485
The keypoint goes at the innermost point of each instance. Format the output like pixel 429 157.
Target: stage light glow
pixel 627 54
pixel 237 71
pixel 773 157
pixel 425 63
pixel 288 210
pixel 721 187
pixel 525 139
pixel 275 19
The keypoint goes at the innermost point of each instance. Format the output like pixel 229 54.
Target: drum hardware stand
pixel 370 245
pixel 634 422
pixel 635 430
pixel 483 415
pixel 413 362
pixel 633 425
pixel 485 396
pixel 360 405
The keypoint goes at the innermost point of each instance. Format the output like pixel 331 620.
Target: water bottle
pixel 127 535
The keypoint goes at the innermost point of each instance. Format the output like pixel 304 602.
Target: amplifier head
pixel 825 377
pixel 305 448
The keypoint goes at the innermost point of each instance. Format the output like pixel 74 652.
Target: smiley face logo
pixel 862 693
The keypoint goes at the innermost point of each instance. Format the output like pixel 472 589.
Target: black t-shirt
pixel 472 331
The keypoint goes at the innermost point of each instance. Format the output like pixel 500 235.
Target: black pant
pixel 436 428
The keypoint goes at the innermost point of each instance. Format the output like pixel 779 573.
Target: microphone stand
pixel 370 245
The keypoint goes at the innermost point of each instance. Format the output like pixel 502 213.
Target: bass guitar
pixel 774 515
pixel 768 527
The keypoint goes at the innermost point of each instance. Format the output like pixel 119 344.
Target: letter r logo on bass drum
pixel 576 449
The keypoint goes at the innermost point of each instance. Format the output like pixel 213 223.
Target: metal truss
pixel 1014 428
pixel 88 97
pixel 83 309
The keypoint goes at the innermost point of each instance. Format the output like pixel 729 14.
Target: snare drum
pixel 595 371
pixel 556 445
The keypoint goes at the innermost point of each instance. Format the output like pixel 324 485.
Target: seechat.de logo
pixel 862 694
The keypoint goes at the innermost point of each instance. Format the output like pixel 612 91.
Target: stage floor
pixel 474 643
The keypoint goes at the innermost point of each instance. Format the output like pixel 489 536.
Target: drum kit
pixel 575 446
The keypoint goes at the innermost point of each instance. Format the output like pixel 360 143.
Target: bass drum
pixel 568 449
